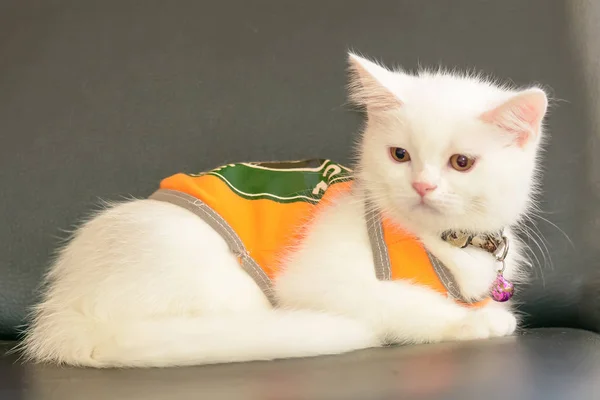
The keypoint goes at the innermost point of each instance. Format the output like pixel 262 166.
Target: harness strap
pixel 381 259
pixel 221 226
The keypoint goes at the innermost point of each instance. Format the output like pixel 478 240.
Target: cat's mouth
pixel 424 205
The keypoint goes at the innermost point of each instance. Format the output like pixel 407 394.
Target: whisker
pixel 529 234
pixel 558 229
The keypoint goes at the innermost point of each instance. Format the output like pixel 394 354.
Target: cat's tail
pixel 179 341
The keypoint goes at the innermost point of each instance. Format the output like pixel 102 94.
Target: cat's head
pixel 447 151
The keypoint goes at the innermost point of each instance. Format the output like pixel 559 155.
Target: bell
pixel 502 289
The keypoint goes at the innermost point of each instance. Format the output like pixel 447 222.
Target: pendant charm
pixel 502 289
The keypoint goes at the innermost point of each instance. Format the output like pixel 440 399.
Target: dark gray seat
pixel 103 99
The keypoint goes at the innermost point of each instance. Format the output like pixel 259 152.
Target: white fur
pixel 146 283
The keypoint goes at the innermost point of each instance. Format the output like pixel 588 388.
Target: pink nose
pixel 423 188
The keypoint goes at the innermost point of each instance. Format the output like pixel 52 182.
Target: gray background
pixel 103 99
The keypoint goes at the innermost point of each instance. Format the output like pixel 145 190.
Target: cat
pixel 148 283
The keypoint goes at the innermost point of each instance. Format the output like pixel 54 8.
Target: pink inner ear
pixel 367 87
pixel 521 116
pixel 512 121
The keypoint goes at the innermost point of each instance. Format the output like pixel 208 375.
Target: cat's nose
pixel 423 188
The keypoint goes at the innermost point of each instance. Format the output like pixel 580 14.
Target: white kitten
pixel 148 283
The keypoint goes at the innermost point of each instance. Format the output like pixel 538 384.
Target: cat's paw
pixel 501 321
pixel 482 324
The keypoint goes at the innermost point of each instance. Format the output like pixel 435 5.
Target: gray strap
pixel 216 222
pixel 448 279
pixel 381 258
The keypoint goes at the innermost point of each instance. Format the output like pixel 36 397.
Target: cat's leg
pixel 474 271
pixel 146 283
pixel 399 312
pixel 492 320
pixel 333 270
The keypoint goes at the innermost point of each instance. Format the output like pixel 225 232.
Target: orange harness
pixel 260 208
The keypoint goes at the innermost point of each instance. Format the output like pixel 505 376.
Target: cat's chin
pixel 420 218
pixel 426 218
pixel 426 207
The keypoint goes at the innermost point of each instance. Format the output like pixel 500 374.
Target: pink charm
pixel 502 289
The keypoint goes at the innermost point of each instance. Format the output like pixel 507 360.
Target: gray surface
pixel 103 99
pixel 545 364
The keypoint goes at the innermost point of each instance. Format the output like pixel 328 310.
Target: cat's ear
pixel 367 87
pixel 521 115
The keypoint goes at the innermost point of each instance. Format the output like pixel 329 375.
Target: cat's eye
pixel 461 163
pixel 399 154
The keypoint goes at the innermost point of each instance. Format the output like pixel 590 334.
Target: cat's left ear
pixel 521 115
pixel 370 84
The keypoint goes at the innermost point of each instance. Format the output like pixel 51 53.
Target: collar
pixel 495 243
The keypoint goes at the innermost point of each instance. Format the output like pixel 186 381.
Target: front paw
pixel 482 324
pixel 502 322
